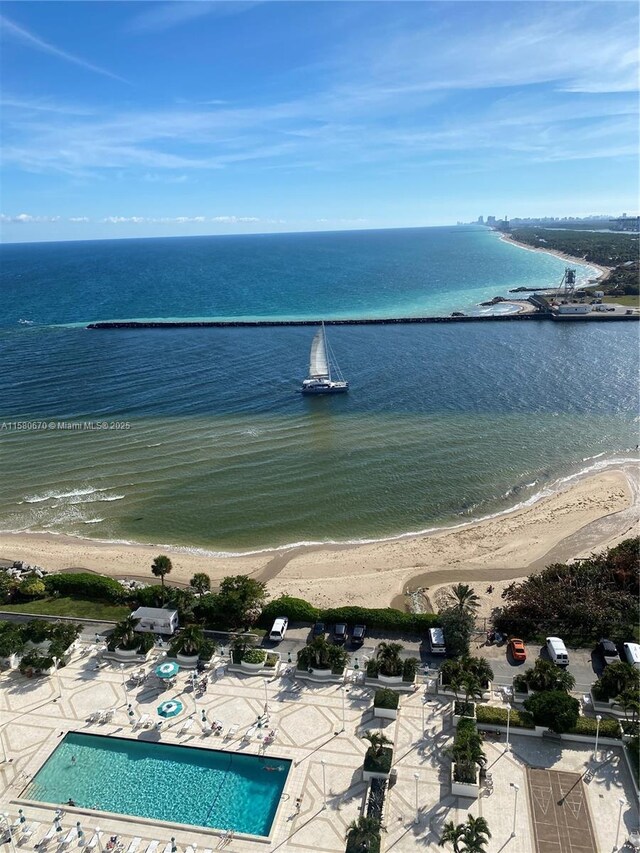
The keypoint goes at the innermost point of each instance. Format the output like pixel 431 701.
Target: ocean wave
pixel 554 487
pixel 55 495
pixel 93 520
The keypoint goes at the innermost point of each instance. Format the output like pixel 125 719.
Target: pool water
pixel 180 784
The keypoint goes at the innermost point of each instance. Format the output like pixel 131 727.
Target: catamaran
pixel 320 380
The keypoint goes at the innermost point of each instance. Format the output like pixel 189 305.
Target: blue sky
pixel 125 119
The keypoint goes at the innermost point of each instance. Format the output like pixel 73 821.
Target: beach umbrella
pixel 168 669
pixel 173 844
pixel 80 834
pixel 170 708
pixel 204 717
pixel 22 817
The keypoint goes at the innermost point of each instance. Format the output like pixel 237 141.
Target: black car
pixel 357 635
pixel 608 651
pixel 340 633
pixel 318 630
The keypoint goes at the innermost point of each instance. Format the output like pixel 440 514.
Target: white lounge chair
pixel 143 722
pixel 206 729
pixel 232 732
pixel 191 848
pixel 69 837
pixel 250 733
pixel 29 829
pixel 135 843
pixel 168 847
pixel 96 715
pixel 47 838
pixel 218 727
pixel 153 846
pixel 186 726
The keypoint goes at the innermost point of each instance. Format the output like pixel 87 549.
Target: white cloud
pixel 22 218
pixel 23 35
pixel 235 219
pixel 165 16
pixel 78 219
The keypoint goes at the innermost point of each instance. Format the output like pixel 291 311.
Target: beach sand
pixel 585 516
pixel 603 271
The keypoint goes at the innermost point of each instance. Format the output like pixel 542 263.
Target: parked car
pixel 357 635
pixel 516 649
pixel 632 654
pixel 279 629
pixel 339 633
pixel 318 630
pixel 557 651
pixel 608 651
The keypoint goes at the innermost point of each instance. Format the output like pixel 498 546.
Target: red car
pixel 517 649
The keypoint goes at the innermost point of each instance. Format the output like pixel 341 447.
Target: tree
pixel 547 676
pixel 457 626
pixel 388 656
pixel 201 583
pixel 161 566
pixel 241 599
pixel 629 700
pixel 617 678
pixel 463 597
pixel 189 641
pixel 363 833
pixel 554 709
pixel 124 635
pixel 378 741
pixel 470 837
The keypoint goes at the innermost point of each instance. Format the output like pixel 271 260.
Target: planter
pixel 126 654
pixel 386 713
pixel 187 661
pixel 400 686
pixel 368 775
pixel 392 679
pixel 10 662
pixel 464 789
pixel 245 666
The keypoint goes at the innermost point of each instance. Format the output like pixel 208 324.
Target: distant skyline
pixel 164 118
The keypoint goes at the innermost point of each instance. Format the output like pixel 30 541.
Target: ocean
pixel 208 443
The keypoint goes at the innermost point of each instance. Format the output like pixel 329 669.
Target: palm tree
pixel 388 655
pixel 547 676
pixel 476 835
pixel 201 583
pixel 378 741
pixel 628 700
pixel 363 832
pixel 124 634
pixel 462 597
pixel 161 567
pixel 190 640
pixel 452 834
pixel 480 667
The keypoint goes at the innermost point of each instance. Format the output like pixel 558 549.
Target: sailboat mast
pixel 324 340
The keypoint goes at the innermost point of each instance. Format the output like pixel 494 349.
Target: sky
pixel 131 119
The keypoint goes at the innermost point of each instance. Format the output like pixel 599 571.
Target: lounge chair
pixel 143 722
pixel 249 734
pixel 232 732
pixel 168 847
pixel 218 727
pixel 206 729
pixel 69 837
pixel 95 716
pixel 47 838
pixel 186 726
pixel 135 843
pixel 94 841
pixel 29 829
pixel 191 848
pixel 153 846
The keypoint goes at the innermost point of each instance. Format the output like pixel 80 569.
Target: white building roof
pixel 159 613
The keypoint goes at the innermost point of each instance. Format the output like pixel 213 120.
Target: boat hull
pixel 329 388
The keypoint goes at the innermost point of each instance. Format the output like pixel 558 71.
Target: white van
pixel 279 629
pixel 436 641
pixel 557 651
pixel 632 654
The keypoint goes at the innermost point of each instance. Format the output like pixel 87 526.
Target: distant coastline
pixel 603 272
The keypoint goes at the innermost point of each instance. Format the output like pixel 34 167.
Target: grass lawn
pixel 631 301
pixel 76 607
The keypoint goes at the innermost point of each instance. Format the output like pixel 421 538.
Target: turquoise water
pixel 219 451
pixel 179 784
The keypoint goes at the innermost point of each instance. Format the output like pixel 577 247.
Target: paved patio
pixel 35 713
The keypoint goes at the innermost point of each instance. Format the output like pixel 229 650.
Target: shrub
pixel 11 639
pixel 254 656
pixel 207 650
pixel 7 587
pixel 36 631
pixel 409 669
pixel 32 587
pixel 630 727
pixel 380 761
pixel 373 668
pixel 520 683
pixel 86 585
pixel 589 726
pixel 385 698
pixel 463 709
pixel 634 753
pixel 147 642
pixel 545 675
pixel 616 678
pixel 554 709
pixel 457 626
pixel 466 751
pixel 271 660
pixel 295 609
pixel 36 661
pixel 498 716
pixel 364 834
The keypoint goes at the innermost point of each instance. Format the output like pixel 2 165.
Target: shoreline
pixel 587 513
pixel 603 272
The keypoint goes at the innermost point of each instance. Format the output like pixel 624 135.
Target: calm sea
pixel 219 451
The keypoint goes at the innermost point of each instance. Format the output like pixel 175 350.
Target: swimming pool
pixel 180 784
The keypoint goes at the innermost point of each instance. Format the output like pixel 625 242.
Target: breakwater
pixel 371 321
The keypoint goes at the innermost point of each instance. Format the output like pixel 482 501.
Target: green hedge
pixel 589 725
pixel 254 656
pixel 386 698
pixel 498 716
pixel 86 585
pixel 299 610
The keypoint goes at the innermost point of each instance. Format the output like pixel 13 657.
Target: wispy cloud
pixel 165 16
pixel 18 33
pixel 24 218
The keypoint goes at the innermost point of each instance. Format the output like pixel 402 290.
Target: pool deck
pixel 35 713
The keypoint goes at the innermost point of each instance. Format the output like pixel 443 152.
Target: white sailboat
pixel 320 380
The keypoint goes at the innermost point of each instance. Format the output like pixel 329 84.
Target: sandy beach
pixel 587 515
pixel 603 271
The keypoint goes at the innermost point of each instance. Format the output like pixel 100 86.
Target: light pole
pixel 623 803
pixel 424 702
pixel 506 748
pixel 124 686
pixel 324 783
pixel 595 750
pixel 416 776
pixel 5 817
pixel 516 788
pixel 344 692
pixel 266 697
pixel 56 661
